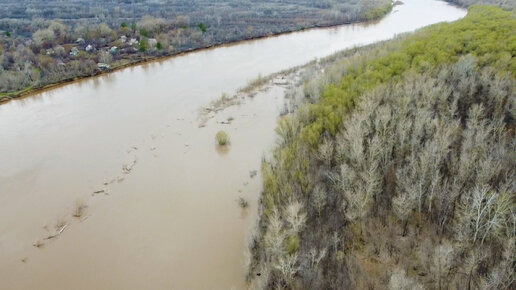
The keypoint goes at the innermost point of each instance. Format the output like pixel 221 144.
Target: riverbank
pixel 27 92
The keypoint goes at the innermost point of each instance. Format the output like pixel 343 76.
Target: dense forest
pixel 399 170
pixel 49 41
pixel 506 4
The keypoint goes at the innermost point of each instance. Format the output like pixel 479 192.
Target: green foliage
pixel 8 34
pixel 377 12
pixel 270 188
pixel 144 32
pixel 123 24
pixel 505 4
pixel 159 46
pixel 486 32
pixel 201 27
pixel 222 138
pixel 133 26
pixel 291 244
pixel 143 46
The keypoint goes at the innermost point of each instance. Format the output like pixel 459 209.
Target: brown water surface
pixel 173 222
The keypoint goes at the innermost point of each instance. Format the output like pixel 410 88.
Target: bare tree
pixel 443 259
pixel 400 281
pixel 287 267
pixel 294 217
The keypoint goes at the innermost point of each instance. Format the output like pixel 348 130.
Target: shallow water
pixel 173 222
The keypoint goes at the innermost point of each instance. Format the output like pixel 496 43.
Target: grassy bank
pixel 400 174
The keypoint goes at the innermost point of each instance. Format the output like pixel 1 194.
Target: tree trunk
pixel 405 228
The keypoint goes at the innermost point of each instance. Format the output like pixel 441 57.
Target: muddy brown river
pixel 172 220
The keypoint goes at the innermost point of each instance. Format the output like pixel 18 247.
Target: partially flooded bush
pixel 243 203
pixel 79 208
pixel 254 84
pixel 222 138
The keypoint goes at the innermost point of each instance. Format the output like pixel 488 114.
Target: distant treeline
pixel 505 4
pixel 44 42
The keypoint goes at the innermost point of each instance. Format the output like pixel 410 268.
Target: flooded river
pixel 172 220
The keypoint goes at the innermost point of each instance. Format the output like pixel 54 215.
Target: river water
pixel 172 222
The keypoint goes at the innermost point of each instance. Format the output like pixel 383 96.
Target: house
pixel 133 41
pixel 123 38
pixel 79 40
pixel 113 50
pixel 89 48
pixel 152 42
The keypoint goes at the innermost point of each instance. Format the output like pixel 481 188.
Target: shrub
pixel 222 138
pixel 143 45
pixel 291 244
pixel 254 84
pixel 79 208
pixel 202 27
pixel 144 32
pixel 243 203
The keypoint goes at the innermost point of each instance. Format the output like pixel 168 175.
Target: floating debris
pixel 38 243
pixel 128 167
pixel 105 191
pixel 60 227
